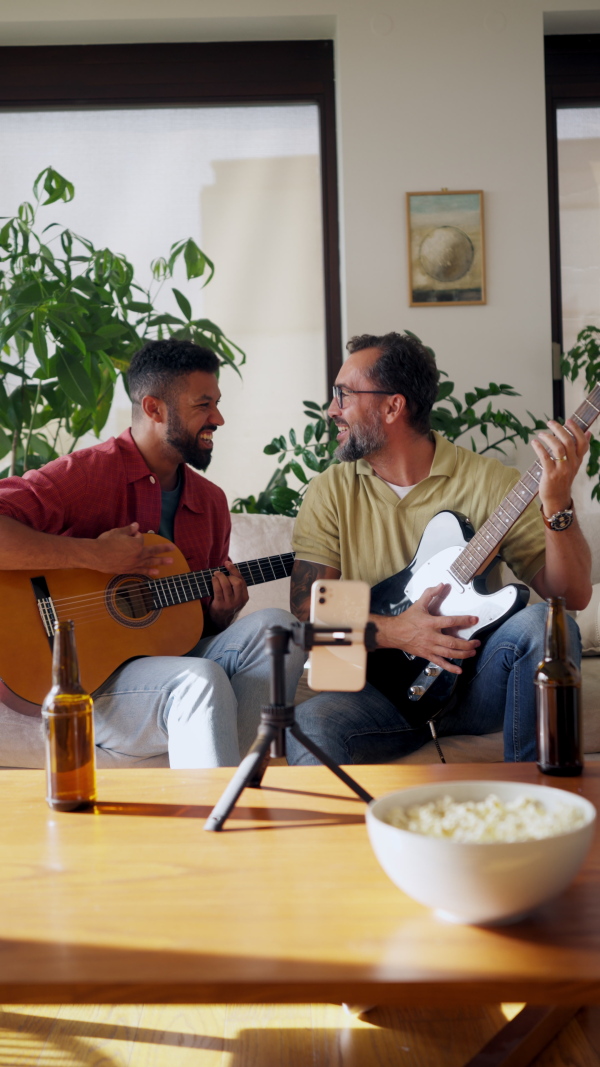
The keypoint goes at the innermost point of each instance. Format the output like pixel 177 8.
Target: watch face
pixel 562 520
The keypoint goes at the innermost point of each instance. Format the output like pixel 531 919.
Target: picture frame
pixel 446 252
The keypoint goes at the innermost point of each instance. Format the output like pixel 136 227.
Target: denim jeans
pixel 203 708
pixel 365 727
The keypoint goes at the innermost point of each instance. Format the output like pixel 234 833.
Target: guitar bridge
pixel 45 606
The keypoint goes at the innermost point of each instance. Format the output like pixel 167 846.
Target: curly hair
pixel 155 369
pixel 404 366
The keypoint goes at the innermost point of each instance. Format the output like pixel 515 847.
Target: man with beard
pixel 364 518
pixel 90 510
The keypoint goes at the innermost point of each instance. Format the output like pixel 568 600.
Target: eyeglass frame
pixel 338 395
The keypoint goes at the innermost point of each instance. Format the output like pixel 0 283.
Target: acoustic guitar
pixel 116 618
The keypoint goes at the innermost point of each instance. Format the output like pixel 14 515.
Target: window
pixel 230 144
pixel 573 131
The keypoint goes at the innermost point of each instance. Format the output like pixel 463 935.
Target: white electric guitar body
pixel 463 599
pixel 450 551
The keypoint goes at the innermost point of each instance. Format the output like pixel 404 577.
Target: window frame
pixel 229 73
pixel 572 63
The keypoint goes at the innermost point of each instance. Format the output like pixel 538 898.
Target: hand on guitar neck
pixel 560 454
pixel 230 593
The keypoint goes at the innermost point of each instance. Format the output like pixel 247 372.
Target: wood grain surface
pixel 134 902
pixel 244 1035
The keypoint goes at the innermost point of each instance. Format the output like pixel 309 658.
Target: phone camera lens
pixel 321 600
pixel 322 589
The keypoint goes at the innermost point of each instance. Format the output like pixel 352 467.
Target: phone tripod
pixel 277 717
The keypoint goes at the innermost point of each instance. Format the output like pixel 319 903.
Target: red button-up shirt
pixel 110 485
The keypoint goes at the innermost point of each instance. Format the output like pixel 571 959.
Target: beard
pixel 186 444
pixel 363 440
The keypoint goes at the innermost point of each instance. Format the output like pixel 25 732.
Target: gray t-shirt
pixel 169 503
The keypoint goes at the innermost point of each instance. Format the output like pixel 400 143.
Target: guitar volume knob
pixel 416 692
pixel 432 672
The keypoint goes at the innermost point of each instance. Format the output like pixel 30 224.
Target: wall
pixel 431 94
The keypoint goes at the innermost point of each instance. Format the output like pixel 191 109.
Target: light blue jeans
pixel 365 727
pixel 203 708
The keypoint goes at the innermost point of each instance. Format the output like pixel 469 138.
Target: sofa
pixel 254 536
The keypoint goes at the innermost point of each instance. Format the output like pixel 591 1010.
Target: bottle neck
pixel 65 666
pixel 556 645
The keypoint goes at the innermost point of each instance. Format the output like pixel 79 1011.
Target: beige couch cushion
pixel 253 536
pixel 22 745
pixel 589 624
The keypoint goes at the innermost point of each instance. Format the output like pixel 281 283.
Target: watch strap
pixel 561 520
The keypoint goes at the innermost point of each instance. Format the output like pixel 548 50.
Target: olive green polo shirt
pixel 351 520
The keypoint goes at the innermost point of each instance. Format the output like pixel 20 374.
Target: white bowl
pixel 493 882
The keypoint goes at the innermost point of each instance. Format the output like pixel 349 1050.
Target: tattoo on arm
pixel 304 573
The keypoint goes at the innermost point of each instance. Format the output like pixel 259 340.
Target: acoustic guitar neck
pixel 195 585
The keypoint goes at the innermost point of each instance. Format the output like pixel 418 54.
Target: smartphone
pixel 344 604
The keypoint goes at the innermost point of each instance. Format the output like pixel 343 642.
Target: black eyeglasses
pixel 340 391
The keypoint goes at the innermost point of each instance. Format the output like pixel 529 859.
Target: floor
pixel 295 1035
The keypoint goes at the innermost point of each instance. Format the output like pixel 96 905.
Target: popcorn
pixel 486 821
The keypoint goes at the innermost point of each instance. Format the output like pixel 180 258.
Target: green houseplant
pixel 71 317
pixel 584 357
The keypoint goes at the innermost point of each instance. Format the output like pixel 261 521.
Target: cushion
pixel 253 536
pixel 22 745
pixel 588 621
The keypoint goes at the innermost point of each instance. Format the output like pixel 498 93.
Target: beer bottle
pixel 67 714
pixel 558 695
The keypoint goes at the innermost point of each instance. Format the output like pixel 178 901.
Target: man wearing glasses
pixel 364 518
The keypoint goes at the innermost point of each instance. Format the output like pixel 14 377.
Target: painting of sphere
pixel 445 248
pixel 447 254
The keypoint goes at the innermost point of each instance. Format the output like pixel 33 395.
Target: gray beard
pixel 362 441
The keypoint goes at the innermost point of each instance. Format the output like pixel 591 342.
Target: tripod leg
pixel 259 771
pixel 327 762
pixel 245 774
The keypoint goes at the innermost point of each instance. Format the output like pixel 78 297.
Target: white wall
pixel 431 94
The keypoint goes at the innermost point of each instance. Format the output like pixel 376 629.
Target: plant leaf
pixel 40 345
pixel 73 379
pixel 184 303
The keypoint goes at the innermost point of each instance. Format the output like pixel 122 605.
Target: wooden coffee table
pixel 133 902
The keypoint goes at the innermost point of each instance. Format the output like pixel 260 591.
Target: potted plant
pixel 71 317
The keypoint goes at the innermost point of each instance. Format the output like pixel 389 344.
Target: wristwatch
pixel 561 520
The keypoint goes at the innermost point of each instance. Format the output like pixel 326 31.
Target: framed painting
pixel 445 248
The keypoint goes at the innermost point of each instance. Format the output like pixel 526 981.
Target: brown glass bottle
pixel 558 694
pixel 68 716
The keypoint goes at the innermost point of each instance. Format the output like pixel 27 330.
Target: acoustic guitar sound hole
pixel 129 601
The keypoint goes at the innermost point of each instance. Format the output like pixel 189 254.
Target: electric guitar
pixel 451 552
pixel 116 618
